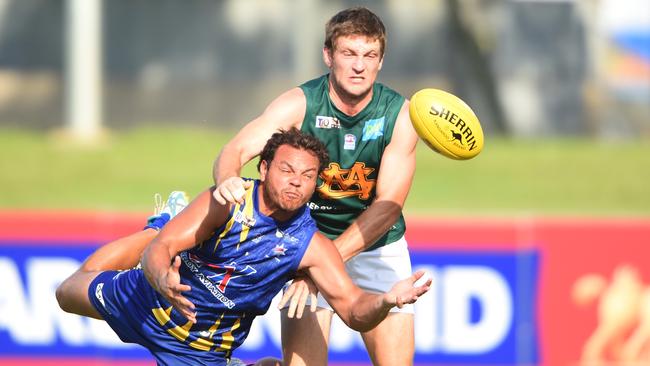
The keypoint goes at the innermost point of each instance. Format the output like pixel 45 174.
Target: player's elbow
pixel 390 208
pixel 362 327
pixel 360 317
pixel 361 324
pixel 395 209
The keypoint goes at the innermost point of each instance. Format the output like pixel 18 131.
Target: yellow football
pixel 446 124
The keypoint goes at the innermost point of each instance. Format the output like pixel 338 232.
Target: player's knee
pixel 64 294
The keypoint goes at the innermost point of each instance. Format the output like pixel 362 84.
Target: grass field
pixel 510 177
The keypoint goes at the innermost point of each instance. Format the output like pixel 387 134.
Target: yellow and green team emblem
pixel 340 183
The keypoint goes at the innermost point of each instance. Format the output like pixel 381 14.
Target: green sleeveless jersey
pixel 356 145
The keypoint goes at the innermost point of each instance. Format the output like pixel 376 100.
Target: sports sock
pixel 157 222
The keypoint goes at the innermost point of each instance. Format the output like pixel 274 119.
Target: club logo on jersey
pixel 372 129
pixel 349 142
pixel 340 183
pixel 327 122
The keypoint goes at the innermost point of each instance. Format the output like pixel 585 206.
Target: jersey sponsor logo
pixel 227 273
pixel 314 206
pixel 349 142
pixel 327 122
pixel 241 218
pixel 373 129
pixel 99 295
pixel 340 183
pixel 223 273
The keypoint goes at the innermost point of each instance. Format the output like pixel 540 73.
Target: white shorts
pixel 378 270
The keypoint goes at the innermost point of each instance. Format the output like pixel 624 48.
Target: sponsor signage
pixel 503 293
pixel 473 310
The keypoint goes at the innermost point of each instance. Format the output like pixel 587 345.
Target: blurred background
pixel 528 68
pixel 103 103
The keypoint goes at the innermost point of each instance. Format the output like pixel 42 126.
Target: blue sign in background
pixel 518 269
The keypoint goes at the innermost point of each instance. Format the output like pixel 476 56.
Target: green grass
pixel 568 177
pixel 510 177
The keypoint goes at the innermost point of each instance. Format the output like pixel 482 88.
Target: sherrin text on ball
pixel 446 124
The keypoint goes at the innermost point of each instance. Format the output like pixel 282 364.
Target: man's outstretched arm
pixel 358 309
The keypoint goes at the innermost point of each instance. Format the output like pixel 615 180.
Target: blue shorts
pixel 122 298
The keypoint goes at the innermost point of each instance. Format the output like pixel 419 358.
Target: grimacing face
pixel 290 178
pixel 354 64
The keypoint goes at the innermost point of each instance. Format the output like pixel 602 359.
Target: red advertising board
pixel 589 288
pixel 585 264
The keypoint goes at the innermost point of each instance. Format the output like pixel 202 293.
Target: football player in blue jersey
pixel 212 269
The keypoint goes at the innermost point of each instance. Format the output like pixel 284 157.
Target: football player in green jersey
pixel 359 198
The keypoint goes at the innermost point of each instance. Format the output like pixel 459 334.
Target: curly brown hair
pixel 355 21
pixel 297 139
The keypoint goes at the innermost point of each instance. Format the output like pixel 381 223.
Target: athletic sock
pixel 157 222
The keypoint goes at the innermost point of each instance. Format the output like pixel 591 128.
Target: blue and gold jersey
pixel 234 275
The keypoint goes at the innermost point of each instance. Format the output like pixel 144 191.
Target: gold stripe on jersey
pixel 248 212
pixel 204 344
pixel 225 231
pixel 181 333
pixel 228 338
pixel 162 316
pixel 215 326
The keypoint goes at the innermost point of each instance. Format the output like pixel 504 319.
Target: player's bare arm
pixel 358 309
pixel 160 261
pixel 393 184
pixel 286 111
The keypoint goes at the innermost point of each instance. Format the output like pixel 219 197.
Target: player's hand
pixel 170 286
pixel 232 190
pixel 300 289
pixel 405 292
